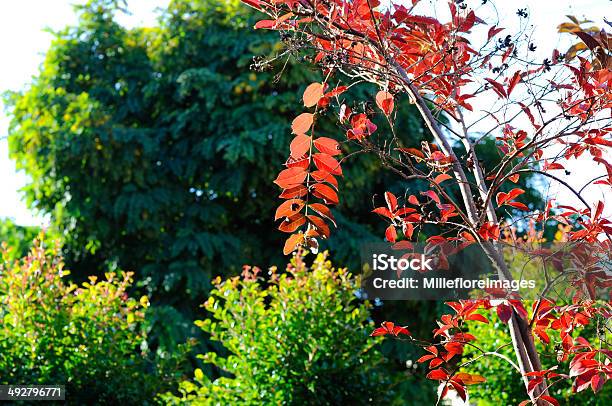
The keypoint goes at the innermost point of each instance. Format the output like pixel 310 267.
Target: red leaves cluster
pixel 388 327
pixel 310 173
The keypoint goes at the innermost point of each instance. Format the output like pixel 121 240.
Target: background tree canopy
pixel 154 150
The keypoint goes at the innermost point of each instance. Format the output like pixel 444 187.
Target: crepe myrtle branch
pixel 448 77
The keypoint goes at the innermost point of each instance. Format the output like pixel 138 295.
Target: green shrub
pixel 87 338
pixel 300 337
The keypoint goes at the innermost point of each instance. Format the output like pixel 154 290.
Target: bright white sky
pixel 24 43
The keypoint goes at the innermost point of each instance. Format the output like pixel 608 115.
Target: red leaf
pixel 437 375
pixel 493 31
pixel 290 177
pixel 327 145
pixel 323 211
pixel 297 191
pixel 326 163
pixel 265 24
pixel 312 94
pixel 425 358
pixel 477 317
pixel 391 201
pixel 289 208
pixel 432 195
pixel 407 229
pixel 504 312
pixel 325 192
pixel 383 211
pixel 299 146
pixel 442 177
pixel 324 176
pixel 302 123
pixel 597 382
pixel 337 91
pixel 497 87
pixel 291 224
pixel 319 223
pixel 384 101
pixel 413 200
pixel 292 243
pixel 518 205
pixel 516 78
pixel 550 400
pixel 391 234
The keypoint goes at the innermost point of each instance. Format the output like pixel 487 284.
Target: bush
pixel 300 337
pixel 87 338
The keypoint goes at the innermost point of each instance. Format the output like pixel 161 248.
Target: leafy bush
pixel 87 338
pixel 298 338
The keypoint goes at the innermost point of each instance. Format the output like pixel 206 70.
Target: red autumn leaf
pixel 391 234
pixel 441 178
pixel 469 379
pixel 432 195
pixel 323 210
pixel 436 362
pixel 437 375
pixel 290 177
pixel 516 78
pixel 497 87
pixel 388 327
pixel 292 243
pixel 404 210
pixel 413 200
pixel 302 123
pixel 297 191
pixel 299 146
pixel 289 208
pixel 503 197
pixel 504 312
pixel 477 317
pixel 383 211
pixel 384 101
pixel 550 400
pixel 319 223
pixel 325 192
pixel 312 94
pixel 291 224
pixel 391 201
pixel 326 163
pixel 493 31
pixel 407 229
pixel 518 205
pixel 327 145
pixel 324 176
pixel 265 24
pixel 336 92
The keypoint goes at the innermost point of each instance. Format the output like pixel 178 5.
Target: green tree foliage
pixel 86 337
pixel 300 338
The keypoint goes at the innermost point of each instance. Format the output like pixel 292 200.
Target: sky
pixel 24 41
